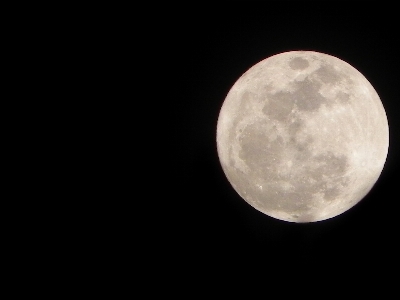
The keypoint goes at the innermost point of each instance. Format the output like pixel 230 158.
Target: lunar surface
pixel 302 136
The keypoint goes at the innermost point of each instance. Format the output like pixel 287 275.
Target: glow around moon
pixel 302 136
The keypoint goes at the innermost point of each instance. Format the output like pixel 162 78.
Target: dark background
pixel 208 47
pixel 194 230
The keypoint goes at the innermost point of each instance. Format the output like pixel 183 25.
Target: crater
pixel 298 63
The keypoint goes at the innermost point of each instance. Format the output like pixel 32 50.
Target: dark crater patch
pixel 328 74
pixel 306 97
pixel 343 97
pixel 279 106
pixel 334 168
pixel 331 193
pixel 298 63
pixel 246 99
pixel 302 152
pixel 295 127
pixel 258 151
pixel 332 164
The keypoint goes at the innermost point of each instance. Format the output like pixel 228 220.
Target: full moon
pixel 302 136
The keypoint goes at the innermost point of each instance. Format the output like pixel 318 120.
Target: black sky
pixel 208 48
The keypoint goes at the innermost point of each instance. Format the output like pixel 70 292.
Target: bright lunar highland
pixel 302 136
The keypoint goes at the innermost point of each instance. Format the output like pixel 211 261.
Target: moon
pixel 302 136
